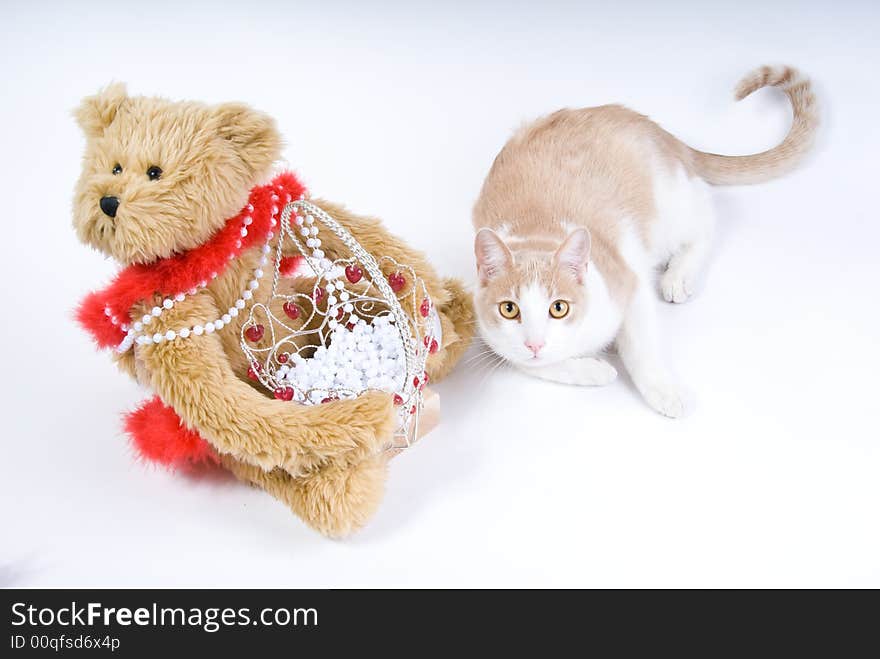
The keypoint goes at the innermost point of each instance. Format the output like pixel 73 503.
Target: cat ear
pixel 253 134
pixel 493 257
pixel 97 112
pixel 574 254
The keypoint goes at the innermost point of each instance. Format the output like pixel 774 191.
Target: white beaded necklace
pixel 138 333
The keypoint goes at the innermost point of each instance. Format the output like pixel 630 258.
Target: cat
pixel 580 209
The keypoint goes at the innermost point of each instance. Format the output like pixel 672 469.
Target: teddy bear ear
pixel 253 135
pixel 97 112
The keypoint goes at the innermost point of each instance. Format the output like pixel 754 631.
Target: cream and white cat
pixel 579 211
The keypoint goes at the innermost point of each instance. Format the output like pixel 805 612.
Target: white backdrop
pixel 397 109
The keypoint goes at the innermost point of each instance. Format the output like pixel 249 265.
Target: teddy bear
pixel 183 196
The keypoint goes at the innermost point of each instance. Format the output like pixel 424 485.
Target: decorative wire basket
pixel 356 330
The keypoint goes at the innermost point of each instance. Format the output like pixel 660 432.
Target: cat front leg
pixel 638 347
pixel 581 371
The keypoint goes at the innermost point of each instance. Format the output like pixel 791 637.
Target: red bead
pixel 252 373
pixel 284 393
pixel 425 379
pixel 425 309
pixel 428 340
pixel 292 310
pixel 398 399
pixel 412 410
pixel 319 294
pixel 416 382
pixel 339 314
pixel 349 326
pixel 353 273
pixel 254 333
pixel 397 281
pixel 282 358
pixel 434 347
pixel 329 399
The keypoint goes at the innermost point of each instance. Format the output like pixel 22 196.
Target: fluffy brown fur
pixel 326 462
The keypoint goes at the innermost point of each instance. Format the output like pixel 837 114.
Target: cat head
pixel 530 304
pixel 161 177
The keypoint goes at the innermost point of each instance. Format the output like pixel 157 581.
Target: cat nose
pixel 109 205
pixel 535 346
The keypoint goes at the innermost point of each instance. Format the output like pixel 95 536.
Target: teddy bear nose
pixel 109 205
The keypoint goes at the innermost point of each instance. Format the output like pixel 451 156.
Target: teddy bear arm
pixel 458 323
pixel 125 362
pixel 195 378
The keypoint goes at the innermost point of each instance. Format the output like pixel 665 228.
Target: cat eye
pixel 559 309
pixel 508 310
pixel 153 173
pixel 117 169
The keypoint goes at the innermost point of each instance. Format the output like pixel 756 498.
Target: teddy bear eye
pixel 117 169
pixel 153 173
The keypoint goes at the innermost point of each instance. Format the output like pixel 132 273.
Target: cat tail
pixel 781 159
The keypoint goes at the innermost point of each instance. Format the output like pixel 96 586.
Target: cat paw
pixel 664 398
pixel 676 286
pixel 589 371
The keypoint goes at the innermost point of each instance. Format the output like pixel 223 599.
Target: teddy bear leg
pixel 335 500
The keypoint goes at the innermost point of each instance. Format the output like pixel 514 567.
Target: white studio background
pixel 397 109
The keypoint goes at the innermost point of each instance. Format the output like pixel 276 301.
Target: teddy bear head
pixel 161 177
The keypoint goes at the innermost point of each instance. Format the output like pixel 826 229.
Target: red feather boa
pixel 183 272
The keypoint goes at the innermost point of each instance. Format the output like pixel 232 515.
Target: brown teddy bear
pixel 181 194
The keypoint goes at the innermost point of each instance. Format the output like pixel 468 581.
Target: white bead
pixel 239 304
pixel 158 338
pixel 227 318
pixel 167 303
pixel 218 324
pixel 179 297
pixel 270 235
pixel 107 312
pixel 247 295
pixel 309 219
pixel 233 312
pixel 348 308
pixel 298 220
pixel 332 300
pixel 248 220
pixel 138 326
pixel 258 273
pixel 198 330
pixel 267 249
pixel 344 296
pixel 170 335
pixel 244 232
pixel 114 320
pixel 184 333
pixel 263 261
pixel 313 231
pixel 253 284
pixel 156 311
pixel 318 254
pixel 316 242
pixel 209 327
pixel 305 232
pixel 146 320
